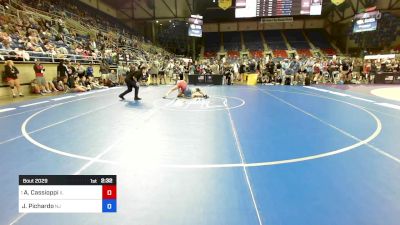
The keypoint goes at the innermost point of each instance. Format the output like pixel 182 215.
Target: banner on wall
pixel 277 19
pixel 224 4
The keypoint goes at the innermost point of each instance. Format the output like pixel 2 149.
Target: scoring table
pixel 67 193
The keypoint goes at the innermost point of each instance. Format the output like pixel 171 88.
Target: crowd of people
pixel 294 71
pixel 161 69
pixel 49 34
pixel 46 35
pixel 301 71
pixel 24 32
pixel 71 77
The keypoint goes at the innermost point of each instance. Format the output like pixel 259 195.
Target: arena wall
pixel 257 25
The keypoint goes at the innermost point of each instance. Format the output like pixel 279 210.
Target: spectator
pixel 79 50
pixel 104 71
pixel 114 78
pixel 76 85
pixel 49 48
pixel 71 71
pixel 6 45
pixel 62 70
pixel 94 84
pixel 270 68
pixel 35 87
pixel 11 74
pixel 40 80
pixel 242 71
pixel 29 46
pixel 153 71
pixel 60 84
pixel 80 69
pixel 84 83
pixel 89 70
pixel 52 87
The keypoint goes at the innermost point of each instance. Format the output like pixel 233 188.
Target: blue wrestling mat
pixel 266 155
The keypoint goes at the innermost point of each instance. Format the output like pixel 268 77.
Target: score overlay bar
pixel 67 193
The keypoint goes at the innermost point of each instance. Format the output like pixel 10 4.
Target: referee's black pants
pixel 131 84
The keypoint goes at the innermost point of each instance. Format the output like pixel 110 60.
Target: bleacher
pixel 280 53
pixel 296 39
pixel 81 24
pixel 210 54
pixel 329 51
pixel 304 52
pixel 232 41
pixel 257 54
pixel 318 38
pixel 253 41
pixel 107 22
pixel 275 40
pixel 233 54
pixel 212 43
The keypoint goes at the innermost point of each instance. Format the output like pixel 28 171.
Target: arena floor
pixel 273 155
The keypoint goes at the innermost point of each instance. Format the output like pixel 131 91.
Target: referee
pixel 132 81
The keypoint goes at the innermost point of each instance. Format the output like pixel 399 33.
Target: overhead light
pixel 156 21
pixel 160 24
pixel 170 21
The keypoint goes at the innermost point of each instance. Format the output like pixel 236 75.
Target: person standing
pixel 286 71
pixel 71 70
pixel 235 71
pixel 80 70
pixel 104 71
pixel 62 70
pixel 181 70
pixel 242 71
pixel 162 73
pixel 11 73
pixel 270 68
pixel 295 66
pixel 227 72
pixel 214 68
pixel 345 71
pixel 132 81
pixel 153 73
